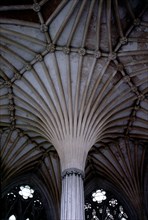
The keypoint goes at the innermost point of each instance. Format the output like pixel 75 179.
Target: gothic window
pixel 102 205
pixel 23 203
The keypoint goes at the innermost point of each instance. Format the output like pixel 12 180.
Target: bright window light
pixel 26 192
pixel 12 217
pixel 99 196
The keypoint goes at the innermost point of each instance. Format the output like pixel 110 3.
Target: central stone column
pixel 72 152
pixel 72 201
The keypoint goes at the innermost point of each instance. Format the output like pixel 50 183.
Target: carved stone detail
pixel 36 7
pixel 82 51
pixel 10 96
pixel 51 47
pixel 97 54
pixel 112 56
pixel 72 171
pixel 126 78
pixel 66 50
pixel 28 67
pixel 123 40
pixel 8 84
pixel 44 28
pixel 12 118
pixel 11 107
pixel 137 107
pixel 17 76
pixel 141 97
pixel 134 88
pixel 39 57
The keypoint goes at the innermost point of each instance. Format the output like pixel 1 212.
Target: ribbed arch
pixel 74 78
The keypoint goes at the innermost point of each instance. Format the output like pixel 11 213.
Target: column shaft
pixel 72 200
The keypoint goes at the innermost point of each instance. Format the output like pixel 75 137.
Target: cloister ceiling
pixel 74 69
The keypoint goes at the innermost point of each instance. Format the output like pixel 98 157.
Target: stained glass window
pixel 102 205
pixel 23 202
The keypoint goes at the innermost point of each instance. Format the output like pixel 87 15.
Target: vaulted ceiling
pixel 75 69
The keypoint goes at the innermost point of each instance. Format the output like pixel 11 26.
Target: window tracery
pixel 23 202
pixel 102 205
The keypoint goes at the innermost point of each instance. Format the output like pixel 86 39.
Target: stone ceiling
pixel 73 71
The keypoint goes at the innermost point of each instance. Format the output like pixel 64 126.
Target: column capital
pixel 72 171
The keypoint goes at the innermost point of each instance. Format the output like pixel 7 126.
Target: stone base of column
pixel 72 201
